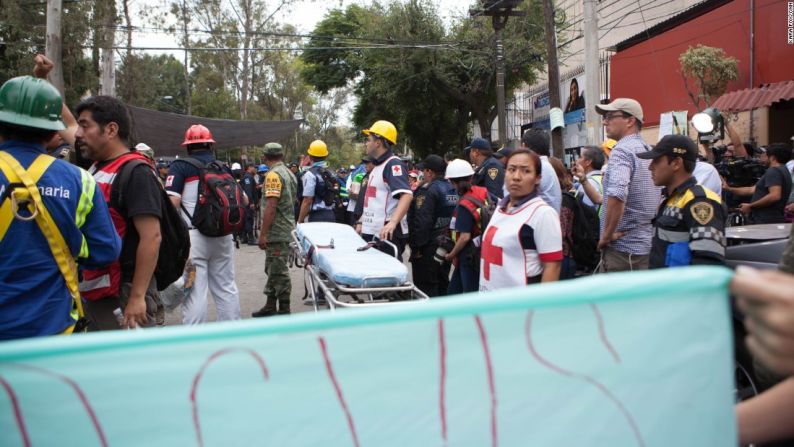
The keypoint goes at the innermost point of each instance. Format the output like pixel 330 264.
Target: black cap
pixel 434 163
pixel 674 145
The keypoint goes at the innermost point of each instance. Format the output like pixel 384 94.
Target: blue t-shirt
pixel 34 299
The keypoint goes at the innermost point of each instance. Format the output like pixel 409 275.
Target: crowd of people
pixel 82 250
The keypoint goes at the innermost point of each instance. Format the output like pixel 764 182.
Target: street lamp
pixel 499 11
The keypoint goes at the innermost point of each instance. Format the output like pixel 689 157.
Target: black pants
pixel 428 275
pixel 250 215
pixel 322 216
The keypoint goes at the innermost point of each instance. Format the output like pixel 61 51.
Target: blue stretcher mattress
pixel 344 264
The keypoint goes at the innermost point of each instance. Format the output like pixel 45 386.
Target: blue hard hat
pixel 262 168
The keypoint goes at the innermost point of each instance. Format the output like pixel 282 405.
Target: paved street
pixel 250 271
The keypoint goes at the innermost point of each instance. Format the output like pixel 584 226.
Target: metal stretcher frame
pixel 328 286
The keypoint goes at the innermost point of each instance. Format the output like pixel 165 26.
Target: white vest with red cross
pixel 379 204
pixel 503 262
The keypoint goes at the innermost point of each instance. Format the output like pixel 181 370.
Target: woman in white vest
pixel 523 243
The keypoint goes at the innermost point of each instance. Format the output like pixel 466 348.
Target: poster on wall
pixel 573 107
pixel 673 123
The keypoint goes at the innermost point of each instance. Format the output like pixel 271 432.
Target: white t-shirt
pixel 707 175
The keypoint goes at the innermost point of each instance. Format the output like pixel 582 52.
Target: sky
pixel 304 14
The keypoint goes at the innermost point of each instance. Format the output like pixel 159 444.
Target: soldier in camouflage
pixel 278 221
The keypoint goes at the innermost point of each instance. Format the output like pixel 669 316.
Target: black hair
pixel 781 152
pixel 105 110
pixel 536 140
pixel 463 185
pixel 199 147
pixel 596 156
pixel 25 134
pixel 317 159
pixel 485 152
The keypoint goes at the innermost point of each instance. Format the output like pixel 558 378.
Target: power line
pixel 390 47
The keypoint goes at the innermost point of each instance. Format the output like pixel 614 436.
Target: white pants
pixel 214 261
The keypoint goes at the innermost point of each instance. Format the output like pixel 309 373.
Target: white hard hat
pixel 236 166
pixel 352 167
pixel 142 147
pixel 458 168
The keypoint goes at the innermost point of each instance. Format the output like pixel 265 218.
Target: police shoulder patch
pixel 420 200
pixel 702 212
pixel 493 173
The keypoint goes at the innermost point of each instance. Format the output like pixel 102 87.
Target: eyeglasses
pixel 611 116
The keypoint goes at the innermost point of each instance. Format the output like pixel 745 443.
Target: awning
pixel 753 98
pixel 165 131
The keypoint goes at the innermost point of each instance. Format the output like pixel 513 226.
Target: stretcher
pixel 343 270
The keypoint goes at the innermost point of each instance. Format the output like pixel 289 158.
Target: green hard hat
pixel 31 102
pixel 273 149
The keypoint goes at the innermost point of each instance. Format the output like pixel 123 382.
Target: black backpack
pixel 175 239
pixel 219 209
pixel 328 187
pixel 585 231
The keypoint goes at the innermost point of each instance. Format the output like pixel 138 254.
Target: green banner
pixel 640 359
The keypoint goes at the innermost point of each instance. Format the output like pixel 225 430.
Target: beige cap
pixel 626 105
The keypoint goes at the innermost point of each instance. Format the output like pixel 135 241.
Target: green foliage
pixel 432 89
pixel 22 28
pixel 710 69
pixel 158 82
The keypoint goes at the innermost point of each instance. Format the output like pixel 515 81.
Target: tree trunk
pixel 185 42
pixel 128 67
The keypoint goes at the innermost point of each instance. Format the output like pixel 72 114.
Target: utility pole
pixel 554 73
pixel 53 49
pixel 499 11
pixel 107 65
pixel 592 70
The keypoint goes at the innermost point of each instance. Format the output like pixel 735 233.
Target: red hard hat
pixel 197 134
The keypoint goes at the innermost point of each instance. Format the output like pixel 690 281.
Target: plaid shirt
pixel 628 179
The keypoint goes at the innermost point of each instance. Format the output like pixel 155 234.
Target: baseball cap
pixel 674 145
pixel 434 163
pixel 479 143
pixel 625 105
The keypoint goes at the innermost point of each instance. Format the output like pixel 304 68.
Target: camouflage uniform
pixel 787 261
pixel 280 183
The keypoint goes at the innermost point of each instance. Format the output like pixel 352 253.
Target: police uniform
pixel 248 183
pixel 689 228
pixel 491 175
pixel 280 184
pixel 315 187
pixel 428 218
pixel 34 297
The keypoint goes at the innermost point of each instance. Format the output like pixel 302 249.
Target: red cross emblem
pixel 371 192
pixel 491 254
pixel 396 170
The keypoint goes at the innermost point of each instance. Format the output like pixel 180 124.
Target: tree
pixel 19 19
pixel 158 82
pixel 710 69
pixel 407 68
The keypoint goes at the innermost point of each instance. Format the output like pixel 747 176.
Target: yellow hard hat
pixel 318 149
pixel 607 145
pixel 383 129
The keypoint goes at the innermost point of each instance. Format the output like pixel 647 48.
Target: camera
pixel 445 245
pixel 741 171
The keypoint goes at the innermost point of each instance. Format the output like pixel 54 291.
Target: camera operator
pixel 770 194
pixel 734 149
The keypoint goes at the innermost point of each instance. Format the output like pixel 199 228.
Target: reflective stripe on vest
pixel 106 282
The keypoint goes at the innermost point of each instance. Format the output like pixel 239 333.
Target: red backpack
pixel 219 208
